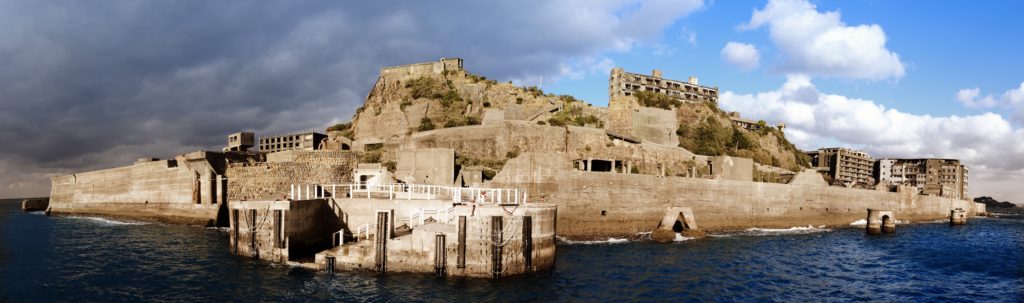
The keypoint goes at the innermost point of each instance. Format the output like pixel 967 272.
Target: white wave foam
pixel 220 229
pixel 861 222
pixel 38 212
pixel 110 222
pixel 680 238
pixel 785 231
pixel 589 242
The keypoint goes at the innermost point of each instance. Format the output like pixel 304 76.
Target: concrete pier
pixel 483 240
pixel 677 220
pixel 957 217
pixel 880 221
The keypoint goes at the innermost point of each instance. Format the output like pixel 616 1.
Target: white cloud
pixel 577 69
pixel 741 55
pixel 987 143
pixel 1012 99
pixel 970 97
pixel 690 36
pixel 820 44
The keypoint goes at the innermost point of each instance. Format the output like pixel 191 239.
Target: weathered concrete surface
pixel 675 220
pixel 273 179
pixel 186 190
pixel 416 252
pixel 281 231
pixel 880 221
pixel 980 209
pixel 606 204
pixel 957 217
pixel 35 204
pixel 434 166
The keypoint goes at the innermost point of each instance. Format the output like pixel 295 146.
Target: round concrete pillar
pixel 880 221
pixel 888 225
pixel 957 217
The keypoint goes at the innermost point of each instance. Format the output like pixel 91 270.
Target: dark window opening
pixel 601 165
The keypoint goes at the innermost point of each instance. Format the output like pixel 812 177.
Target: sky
pixel 92 85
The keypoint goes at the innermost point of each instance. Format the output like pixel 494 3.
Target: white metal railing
pixel 397 191
pixel 419 218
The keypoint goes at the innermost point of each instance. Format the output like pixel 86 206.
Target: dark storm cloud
pixel 92 84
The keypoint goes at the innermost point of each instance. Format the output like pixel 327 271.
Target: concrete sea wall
pixel 607 204
pixel 184 190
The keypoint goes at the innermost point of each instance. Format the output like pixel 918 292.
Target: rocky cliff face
pixel 405 102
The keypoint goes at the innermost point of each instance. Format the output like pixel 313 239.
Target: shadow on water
pixel 90 259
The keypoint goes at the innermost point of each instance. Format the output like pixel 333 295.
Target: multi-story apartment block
pixel 624 83
pixel 296 141
pixel 845 166
pixel 936 177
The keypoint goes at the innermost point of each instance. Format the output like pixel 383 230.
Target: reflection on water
pixel 44 259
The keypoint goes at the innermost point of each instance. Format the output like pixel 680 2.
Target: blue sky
pixel 947 46
pixel 93 85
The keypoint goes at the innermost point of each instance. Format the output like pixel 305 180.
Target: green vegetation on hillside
pixel 650 99
pixel 572 114
pixel 715 135
pixel 344 128
pixel 451 113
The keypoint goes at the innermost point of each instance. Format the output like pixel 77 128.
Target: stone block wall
pixel 273 180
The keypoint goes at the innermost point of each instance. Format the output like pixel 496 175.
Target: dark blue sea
pixel 81 259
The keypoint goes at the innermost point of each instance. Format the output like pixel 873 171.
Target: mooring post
pixel 461 262
pixel 440 256
pixel 528 243
pixel 381 257
pixel 330 264
pixel 496 246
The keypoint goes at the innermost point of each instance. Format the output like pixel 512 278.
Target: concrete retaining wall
pixel 605 204
pixel 186 190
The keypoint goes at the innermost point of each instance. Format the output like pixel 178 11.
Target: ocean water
pixel 83 259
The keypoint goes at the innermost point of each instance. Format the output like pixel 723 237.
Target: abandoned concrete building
pixel 240 142
pixel 626 83
pixel 294 141
pixel 935 177
pixel 849 167
pixel 751 125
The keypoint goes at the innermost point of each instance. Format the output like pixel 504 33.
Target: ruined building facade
pixel 934 177
pixel 846 166
pixel 623 83
pixel 296 141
